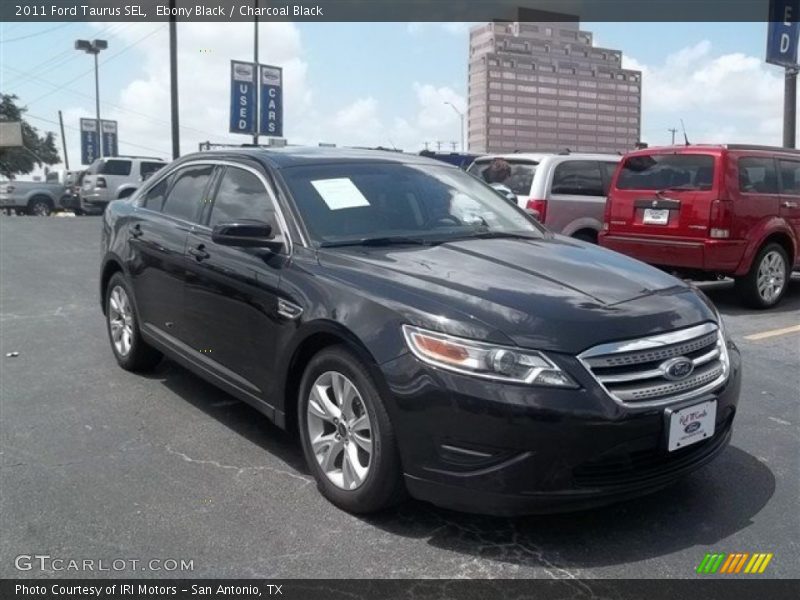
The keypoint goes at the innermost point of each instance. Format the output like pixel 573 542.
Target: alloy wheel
pixel 40 209
pixel 339 430
pixel 120 320
pixel 771 276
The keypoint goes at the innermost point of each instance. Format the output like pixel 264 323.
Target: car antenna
pixel 685 137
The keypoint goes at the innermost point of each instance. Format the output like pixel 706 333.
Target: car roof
pixel 711 148
pixel 540 157
pixel 293 156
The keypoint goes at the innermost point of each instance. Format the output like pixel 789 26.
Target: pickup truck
pixel 32 197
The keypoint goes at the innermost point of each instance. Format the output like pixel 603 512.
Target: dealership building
pixel 545 87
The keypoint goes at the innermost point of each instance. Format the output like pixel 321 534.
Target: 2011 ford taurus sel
pixel 421 333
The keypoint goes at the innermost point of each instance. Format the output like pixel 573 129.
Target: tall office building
pixel 545 87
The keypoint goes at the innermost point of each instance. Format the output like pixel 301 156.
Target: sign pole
pixel 790 107
pixel 63 140
pixel 97 106
pixel 173 81
pixel 255 66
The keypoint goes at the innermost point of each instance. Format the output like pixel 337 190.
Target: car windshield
pixel 518 176
pixel 375 203
pixel 667 172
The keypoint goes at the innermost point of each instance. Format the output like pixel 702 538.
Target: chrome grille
pixel 635 371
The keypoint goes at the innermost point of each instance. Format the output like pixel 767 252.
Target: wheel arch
pixel 312 339
pixel 775 230
pixel 110 266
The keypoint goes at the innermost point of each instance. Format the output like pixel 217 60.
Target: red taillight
pixel 719 225
pixel 100 182
pixel 538 208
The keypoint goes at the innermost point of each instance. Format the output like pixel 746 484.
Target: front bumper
pixel 508 449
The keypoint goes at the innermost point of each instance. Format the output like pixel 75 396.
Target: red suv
pixel 705 211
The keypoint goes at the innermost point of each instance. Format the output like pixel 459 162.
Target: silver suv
pixel 114 177
pixel 567 192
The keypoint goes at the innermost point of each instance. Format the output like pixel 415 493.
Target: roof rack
pixel 136 156
pixel 757 147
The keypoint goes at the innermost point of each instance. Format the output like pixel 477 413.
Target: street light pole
pixel 461 117
pixel 790 107
pixel 94 47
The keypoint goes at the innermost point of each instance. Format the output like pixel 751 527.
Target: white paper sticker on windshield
pixel 340 193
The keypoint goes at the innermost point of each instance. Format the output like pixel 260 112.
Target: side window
pixel 757 175
pixel 790 177
pixel 154 197
pixel 116 167
pixel 241 195
pixel 187 193
pixel 146 169
pixel 578 178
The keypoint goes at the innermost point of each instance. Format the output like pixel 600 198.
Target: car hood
pixel 552 293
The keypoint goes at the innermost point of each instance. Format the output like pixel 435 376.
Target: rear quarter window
pixel 518 180
pixel 578 178
pixel 790 177
pixel 757 175
pixel 115 167
pixel 147 168
pixel 664 171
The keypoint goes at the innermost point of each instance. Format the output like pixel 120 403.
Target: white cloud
pixel 722 98
pixel 452 27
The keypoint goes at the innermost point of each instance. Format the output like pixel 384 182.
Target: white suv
pixel 567 192
pixel 114 177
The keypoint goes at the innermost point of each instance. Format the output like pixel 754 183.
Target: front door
pixel 231 293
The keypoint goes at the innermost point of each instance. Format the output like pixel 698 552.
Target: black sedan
pixel 421 334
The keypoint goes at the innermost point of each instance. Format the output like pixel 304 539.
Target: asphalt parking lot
pixel 98 463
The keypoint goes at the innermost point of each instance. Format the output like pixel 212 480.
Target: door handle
pixel 199 252
pixel 789 204
pixel 135 230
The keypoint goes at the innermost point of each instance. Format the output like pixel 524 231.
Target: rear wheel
pixel 346 434
pixel 765 284
pixel 40 206
pixel 130 350
pixel 586 235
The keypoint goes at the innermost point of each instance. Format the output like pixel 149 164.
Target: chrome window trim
pixel 164 173
pixel 657 341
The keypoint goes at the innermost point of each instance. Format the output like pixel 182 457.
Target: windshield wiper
pixel 381 241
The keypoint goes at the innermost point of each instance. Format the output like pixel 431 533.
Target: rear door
pixel 577 196
pixel 790 195
pixel 157 239
pixel 664 194
pixel 759 195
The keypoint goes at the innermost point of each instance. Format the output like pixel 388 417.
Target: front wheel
pixel 40 207
pixel 347 438
pixel 765 284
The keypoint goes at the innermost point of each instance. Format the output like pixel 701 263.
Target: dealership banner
pixel 89 147
pixel 782 32
pixel 271 89
pixel 110 138
pixel 243 98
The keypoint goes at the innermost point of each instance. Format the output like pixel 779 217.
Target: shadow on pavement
pixel 724 296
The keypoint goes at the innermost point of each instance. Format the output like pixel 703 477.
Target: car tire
pixel 590 237
pixel 40 206
pixel 130 350
pixel 766 282
pixel 335 447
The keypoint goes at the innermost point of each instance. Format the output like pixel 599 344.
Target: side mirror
pixel 505 192
pixel 246 234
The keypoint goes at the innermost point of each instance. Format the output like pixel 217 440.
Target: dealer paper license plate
pixel 656 216
pixel 691 424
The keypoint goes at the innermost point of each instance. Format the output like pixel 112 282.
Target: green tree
pixel 38 150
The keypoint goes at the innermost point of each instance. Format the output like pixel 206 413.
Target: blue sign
pixel 89 146
pixel 110 138
pixel 271 90
pixel 783 32
pixel 243 98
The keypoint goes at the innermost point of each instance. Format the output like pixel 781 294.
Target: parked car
pixel 421 333
pixel 711 211
pixel 111 178
pixel 567 192
pixel 39 198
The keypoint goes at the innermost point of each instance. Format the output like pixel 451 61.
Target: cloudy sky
pixel 368 83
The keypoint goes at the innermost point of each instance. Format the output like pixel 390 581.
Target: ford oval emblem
pixel 692 427
pixel 678 368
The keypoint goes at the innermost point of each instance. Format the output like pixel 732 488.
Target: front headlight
pixel 485 360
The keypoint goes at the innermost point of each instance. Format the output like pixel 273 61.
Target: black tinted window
pixel 241 195
pixel 757 176
pixel 790 177
pixel 186 194
pixel 115 167
pixel 663 171
pixel 154 197
pixel 578 177
pixel 146 169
